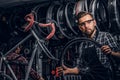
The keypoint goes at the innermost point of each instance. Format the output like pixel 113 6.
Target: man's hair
pixel 82 14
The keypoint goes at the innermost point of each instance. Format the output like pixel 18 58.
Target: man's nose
pixel 86 25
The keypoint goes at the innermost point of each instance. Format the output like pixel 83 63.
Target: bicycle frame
pixel 30 19
pixel 3 59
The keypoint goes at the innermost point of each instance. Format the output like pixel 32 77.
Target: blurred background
pixel 63 12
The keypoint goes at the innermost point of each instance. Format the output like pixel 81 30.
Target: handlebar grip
pixel 52 26
pixel 30 18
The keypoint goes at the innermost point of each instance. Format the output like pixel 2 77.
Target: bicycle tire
pixel 94 69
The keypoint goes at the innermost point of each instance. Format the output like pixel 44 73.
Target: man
pixel 87 26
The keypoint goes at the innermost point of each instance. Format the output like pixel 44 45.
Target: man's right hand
pixel 64 70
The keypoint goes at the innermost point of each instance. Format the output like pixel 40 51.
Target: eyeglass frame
pixel 83 23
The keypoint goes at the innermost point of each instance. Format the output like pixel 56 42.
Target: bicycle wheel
pixel 90 66
pixel 4 76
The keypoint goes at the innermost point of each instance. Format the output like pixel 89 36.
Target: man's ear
pixel 80 28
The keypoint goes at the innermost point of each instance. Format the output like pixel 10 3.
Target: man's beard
pixel 89 33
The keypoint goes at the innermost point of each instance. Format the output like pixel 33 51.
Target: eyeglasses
pixel 83 23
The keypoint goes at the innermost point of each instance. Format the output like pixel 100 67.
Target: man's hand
pixel 65 70
pixel 106 49
pixel 62 70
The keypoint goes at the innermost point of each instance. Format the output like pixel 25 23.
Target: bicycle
pixel 39 44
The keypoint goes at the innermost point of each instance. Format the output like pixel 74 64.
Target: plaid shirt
pixel 103 38
pixel 106 38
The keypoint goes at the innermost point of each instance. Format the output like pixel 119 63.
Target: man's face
pixel 87 25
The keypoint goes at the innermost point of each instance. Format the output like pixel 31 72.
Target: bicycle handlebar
pixel 30 18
